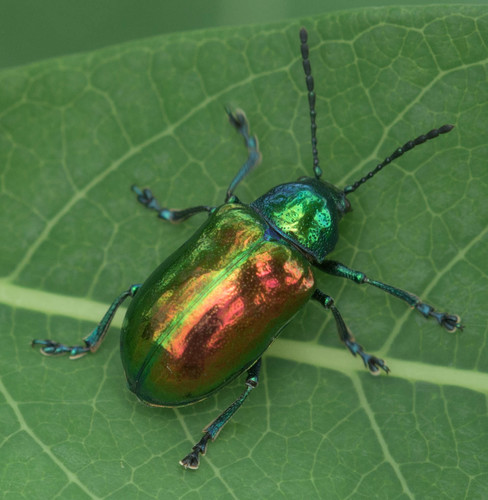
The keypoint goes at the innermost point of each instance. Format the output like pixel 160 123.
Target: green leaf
pixel 76 132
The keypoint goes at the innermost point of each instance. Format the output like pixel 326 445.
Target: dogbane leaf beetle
pixel 211 309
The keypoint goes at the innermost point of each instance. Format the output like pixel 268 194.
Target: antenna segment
pixel 399 152
pixel 311 100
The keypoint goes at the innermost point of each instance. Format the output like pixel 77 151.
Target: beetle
pixel 211 309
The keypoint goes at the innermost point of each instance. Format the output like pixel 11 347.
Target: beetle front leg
pixel 192 460
pixel 239 121
pixel 146 198
pixel 449 321
pixel 93 341
pixel 371 362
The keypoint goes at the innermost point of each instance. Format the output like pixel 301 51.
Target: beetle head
pixel 306 213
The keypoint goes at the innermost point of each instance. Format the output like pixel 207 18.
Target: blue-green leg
pixel 146 198
pixel 93 341
pixel 371 362
pixel 192 460
pixel 450 322
pixel 239 121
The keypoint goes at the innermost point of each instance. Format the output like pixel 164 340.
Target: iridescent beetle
pixel 210 311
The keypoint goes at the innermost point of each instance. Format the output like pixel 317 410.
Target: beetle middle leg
pixel 371 362
pixel 449 321
pixel 93 341
pixel 192 460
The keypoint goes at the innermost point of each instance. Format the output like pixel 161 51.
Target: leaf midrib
pixel 331 358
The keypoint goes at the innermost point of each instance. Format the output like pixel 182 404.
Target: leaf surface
pixel 77 132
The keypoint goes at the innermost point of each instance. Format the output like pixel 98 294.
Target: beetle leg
pixel 146 198
pixel 192 460
pixel 238 120
pixel 92 341
pixel 371 362
pixel 449 321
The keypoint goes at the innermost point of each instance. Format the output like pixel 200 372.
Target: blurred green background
pixel 32 30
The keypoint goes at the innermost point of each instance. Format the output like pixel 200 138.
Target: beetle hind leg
pixel 371 362
pixel 146 198
pixel 192 460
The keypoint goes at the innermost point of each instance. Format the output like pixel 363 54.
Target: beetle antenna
pixel 399 152
pixel 311 100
